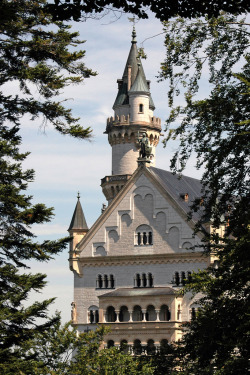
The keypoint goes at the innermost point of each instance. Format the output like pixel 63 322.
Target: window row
pixel 137 314
pixel 144 238
pixel 105 282
pixel 181 278
pixel 143 280
pixel 138 349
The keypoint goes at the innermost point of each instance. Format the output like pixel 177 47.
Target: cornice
pixel 197 257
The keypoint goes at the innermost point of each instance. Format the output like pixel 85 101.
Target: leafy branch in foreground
pixel 216 129
pixel 36 55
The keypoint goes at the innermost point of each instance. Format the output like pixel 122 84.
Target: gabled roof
pixel 78 219
pixel 177 186
pixel 170 185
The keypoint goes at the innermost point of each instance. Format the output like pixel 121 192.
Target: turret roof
pixel 140 83
pixel 132 61
pixel 78 219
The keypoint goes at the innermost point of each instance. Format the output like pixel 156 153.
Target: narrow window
pixel 193 313
pixel 91 317
pixel 150 280
pixel 141 108
pixel 150 238
pixel 105 281
pixel 112 282
pixel 183 278
pixel 144 280
pixel 177 279
pixel 138 280
pixel 144 238
pixel 139 238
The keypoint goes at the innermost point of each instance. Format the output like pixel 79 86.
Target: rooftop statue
pixel 145 150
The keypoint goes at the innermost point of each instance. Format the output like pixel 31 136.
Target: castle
pixel 129 266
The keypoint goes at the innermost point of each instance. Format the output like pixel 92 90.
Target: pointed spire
pixel 133 35
pixel 78 219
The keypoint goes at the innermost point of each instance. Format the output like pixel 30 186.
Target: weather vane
pixel 132 19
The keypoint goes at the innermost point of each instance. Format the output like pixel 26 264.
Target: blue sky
pixel 65 166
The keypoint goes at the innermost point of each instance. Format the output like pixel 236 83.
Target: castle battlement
pixel 153 122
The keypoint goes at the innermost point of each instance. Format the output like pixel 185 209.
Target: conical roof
pixel 78 219
pixel 132 61
pixel 140 83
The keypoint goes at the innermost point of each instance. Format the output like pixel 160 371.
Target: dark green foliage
pixel 18 320
pixel 36 54
pixel 66 9
pixel 217 129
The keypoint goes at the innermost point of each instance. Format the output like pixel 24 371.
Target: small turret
pixel 78 226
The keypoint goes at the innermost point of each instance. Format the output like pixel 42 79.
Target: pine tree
pixel 35 52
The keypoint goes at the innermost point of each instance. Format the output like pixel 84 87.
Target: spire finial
pixel 134 35
pixel 78 195
pixel 132 19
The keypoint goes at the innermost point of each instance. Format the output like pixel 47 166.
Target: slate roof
pixel 177 187
pixel 133 61
pixel 78 219
pixel 136 292
pixel 140 83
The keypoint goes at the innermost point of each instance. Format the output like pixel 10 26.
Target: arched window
pixel 139 238
pixel 138 280
pixel 93 315
pixel 164 347
pixel 150 238
pixel 151 314
pixel 150 347
pixel 105 281
pixel 124 346
pixel 177 278
pixel 141 108
pixel 137 347
pixel 99 281
pixel 137 314
pixel 183 278
pixel 110 344
pixel 110 314
pixel 165 313
pixel 143 280
pixel 150 280
pixel 144 235
pixel 124 314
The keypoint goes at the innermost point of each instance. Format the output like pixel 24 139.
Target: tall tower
pixel 133 116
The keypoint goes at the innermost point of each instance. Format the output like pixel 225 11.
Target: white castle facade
pixel 129 266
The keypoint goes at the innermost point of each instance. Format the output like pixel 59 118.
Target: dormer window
pixel 184 197
pixel 141 110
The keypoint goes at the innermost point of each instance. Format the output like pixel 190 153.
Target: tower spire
pixel 133 115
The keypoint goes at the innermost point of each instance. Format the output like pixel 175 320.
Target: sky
pixel 63 165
